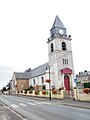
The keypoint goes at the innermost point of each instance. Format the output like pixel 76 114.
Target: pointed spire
pixel 56 27
pixel 58 23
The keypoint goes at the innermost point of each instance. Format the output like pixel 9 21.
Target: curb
pixel 22 117
pixel 79 106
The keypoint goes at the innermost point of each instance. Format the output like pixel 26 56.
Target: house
pixel 59 69
pixel 83 77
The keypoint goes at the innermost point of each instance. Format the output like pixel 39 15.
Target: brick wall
pixel 22 84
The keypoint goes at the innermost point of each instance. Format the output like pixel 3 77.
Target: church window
pixel 52 47
pixel 43 87
pixel 42 80
pixel 63 46
pixel 34 81
pixel 65 61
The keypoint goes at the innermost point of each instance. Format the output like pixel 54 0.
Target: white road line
pixel 22 104
pixel 42 103
pixel 31 103
pixel 46 103
pixel 15 106
pixel 38 102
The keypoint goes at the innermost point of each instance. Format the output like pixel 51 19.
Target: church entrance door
pixel 67 82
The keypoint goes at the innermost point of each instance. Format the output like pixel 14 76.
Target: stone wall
pixel 59 95
pixel 81 96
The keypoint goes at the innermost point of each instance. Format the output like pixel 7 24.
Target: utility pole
pixel 49 85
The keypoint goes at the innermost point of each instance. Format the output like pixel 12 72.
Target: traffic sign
pixel 75 80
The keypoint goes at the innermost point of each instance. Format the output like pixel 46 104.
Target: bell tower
pixel 60 56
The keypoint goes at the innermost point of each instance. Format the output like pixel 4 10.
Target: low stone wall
pixel 80 95
pixel 60 96
pixel 84 97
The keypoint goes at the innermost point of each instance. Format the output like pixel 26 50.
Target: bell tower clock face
pixel 61 32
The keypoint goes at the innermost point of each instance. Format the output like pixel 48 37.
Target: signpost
pixel 75 80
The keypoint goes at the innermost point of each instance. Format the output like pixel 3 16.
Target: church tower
pixel 60 56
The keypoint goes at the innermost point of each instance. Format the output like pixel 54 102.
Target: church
pixel 59 70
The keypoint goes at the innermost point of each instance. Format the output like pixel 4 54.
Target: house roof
pixel 35 72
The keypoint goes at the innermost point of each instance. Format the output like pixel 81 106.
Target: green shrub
pixel 87 85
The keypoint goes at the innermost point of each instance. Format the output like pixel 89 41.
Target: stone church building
pixel 59 69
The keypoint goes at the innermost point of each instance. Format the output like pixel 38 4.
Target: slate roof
pixel 39 70
pixel 35 72
pixel 22 75
pixel 58 23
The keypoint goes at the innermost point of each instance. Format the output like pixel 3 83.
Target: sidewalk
pixel 7 114
pixel 74 103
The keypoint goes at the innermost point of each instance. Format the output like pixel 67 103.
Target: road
pixel 40 110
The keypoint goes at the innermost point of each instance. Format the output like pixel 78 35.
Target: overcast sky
pixel 25 27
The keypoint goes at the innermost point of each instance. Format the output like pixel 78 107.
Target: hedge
pixel 87 85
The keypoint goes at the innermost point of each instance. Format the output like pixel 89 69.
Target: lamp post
pixel 49 85
pixel 49 82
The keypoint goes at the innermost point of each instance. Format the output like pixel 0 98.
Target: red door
pixel 67 82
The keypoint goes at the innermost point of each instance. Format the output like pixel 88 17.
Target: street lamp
pixel 49 85
pixel 49 81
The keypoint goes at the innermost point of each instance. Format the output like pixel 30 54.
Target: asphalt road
pixel 41 110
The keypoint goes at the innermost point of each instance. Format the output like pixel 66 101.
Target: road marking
pixel 22 104
pixel 41 103
pixel 38 102
pixel 15 106
pixel 31 103
pixel 46 103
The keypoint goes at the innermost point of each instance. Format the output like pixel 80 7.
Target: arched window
pixel 63 46
pixel 43 87
pixel 52 47
pixel 42 78
pixel 34 81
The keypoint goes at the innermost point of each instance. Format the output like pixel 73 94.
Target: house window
pixel 42 78
pixel 63 46
pixel 65 61
pixel 34 81
pixel 52 47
